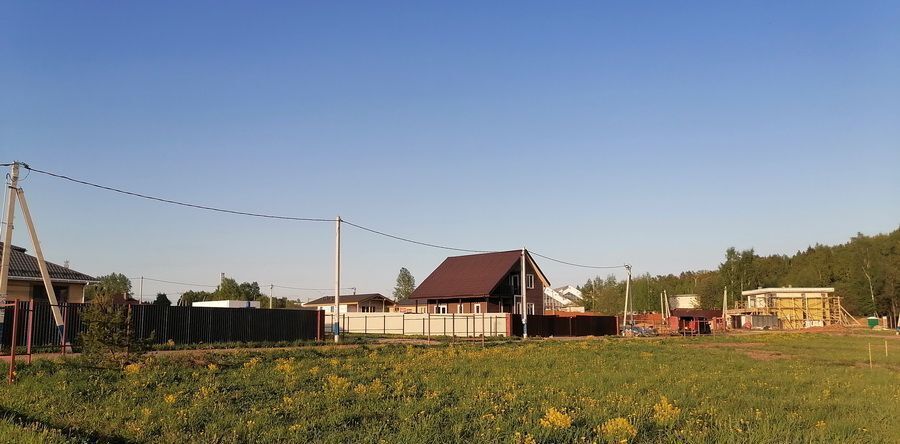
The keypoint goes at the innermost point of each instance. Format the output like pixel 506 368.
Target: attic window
pixel 529 281
pixel 514 280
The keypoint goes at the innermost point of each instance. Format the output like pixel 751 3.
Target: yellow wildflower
pixel 253 362
pixel 285 366
pixel 556 419
pixel 336 383
pixel 617 430
pixel 133 368
pixel 664 413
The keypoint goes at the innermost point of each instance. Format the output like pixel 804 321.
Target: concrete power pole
pixel 725 308
pixel 17 194
pixel 271 294
pixel 7 231
pixel 524 299
pixel 336 327
pixel 627 297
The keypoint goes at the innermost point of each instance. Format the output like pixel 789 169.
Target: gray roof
pixel 350 299
pixel 25 266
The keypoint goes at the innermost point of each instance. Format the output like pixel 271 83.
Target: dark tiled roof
pixel 349 299
pixel 466 276
pixel 696 313
pixel 25 266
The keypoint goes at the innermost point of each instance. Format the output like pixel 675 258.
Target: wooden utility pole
pixel 336 328
pixel 524 299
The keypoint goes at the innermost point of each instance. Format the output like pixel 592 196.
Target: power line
pixel 175 202
pixel 174 282
pixel 444 247
pixel 310 289
pixel 578 265
pixel 293 218
pixel 189 284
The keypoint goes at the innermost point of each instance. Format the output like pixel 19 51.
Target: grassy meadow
pixel 750 388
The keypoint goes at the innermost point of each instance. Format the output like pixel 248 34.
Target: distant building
pixel 800 307
pixel 684 301
pixel 25 282
pixel 693 321
pixel 410 306
pixel 353 303
pixel 567 298
pixel 227 303
pixel 483 283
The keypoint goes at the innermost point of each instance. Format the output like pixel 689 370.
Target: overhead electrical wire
pixel 293 218
pixel 400 238
pixel 175 202
pixel 579 265
pixel 285 287
pixel 189 284
pixel 172 282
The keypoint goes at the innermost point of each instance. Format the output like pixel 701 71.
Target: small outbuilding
pixel 354 303
pixel 695 321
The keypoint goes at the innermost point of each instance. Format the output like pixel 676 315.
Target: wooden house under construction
pixel 794 308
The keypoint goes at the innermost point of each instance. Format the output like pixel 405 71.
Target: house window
pixel 529 281
pixel 460 308
pixel 514 280
pixel 476 308
pixel 530 308
pixel 517 305
pixel 440 309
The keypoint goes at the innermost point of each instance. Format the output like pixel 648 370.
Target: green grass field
pixel 751 388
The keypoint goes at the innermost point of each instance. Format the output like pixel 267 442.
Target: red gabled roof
pixel 471 275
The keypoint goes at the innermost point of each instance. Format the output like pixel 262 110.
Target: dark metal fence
pixel 552 325
pixel 161 324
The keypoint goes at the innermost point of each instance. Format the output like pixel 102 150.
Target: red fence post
pixel 29 328
pixel 62 340
pixel 12 348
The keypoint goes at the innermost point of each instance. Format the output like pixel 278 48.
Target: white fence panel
pixel 422 324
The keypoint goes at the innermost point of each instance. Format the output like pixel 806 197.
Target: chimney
pixel 66 264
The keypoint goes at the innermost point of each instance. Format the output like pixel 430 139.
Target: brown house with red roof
pixel 483 283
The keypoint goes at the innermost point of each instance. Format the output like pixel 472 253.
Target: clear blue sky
pixel 597 132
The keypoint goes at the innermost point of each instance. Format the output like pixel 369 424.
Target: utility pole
pixel 725 308
pixel 17 194
pixel 627 297
pixel 666 298
pixel 8 229
pixel 524 301
pixel 142 290
pixel 336 327
pixel 271 294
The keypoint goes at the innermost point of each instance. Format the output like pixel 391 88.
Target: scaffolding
pixel 796 308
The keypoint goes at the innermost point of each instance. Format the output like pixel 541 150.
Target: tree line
pixel 865 273
pixel 118 287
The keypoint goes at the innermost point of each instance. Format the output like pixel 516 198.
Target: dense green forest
pixel 865 272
